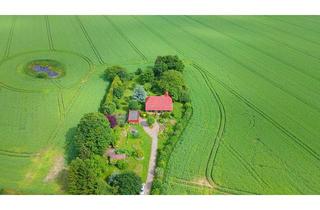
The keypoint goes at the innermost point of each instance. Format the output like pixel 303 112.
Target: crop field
pixel 254 84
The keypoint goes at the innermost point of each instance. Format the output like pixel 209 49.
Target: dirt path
pixel 153 132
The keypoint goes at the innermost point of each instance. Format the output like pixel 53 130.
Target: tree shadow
pixel 70 146
pixel 62 180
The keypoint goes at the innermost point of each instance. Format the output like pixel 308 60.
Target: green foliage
pixel 42 75
pixel 165 63
pixel 118 92
pixel 93 135
pixel 108 108
pixel 173 82
pixel 121 164
pixel 86 177
pixel 134 105
pixel 139 94
pixel 147 76
pixel 172 137
pixel 138 71
pixel 150 120
pixel 113 71
pixel 126 183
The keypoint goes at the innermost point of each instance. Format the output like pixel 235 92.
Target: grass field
pixel 254 83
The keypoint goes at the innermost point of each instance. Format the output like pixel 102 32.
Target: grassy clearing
pixel 254 85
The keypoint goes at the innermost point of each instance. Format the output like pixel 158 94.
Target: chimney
pixel 166 93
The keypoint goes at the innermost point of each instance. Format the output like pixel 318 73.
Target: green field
pixel 254 83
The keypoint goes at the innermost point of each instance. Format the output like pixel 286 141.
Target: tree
pixel 126 183
pixel 173 82
pixel 93 135
pixel 112 71
pixel 168 62
pixel 108 108
pixel 118 91
pixel 139 94
pixel 134 105
pixel 86 177
pixel 147 76
pixel 150 120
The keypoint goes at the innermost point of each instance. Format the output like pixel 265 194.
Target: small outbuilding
pixel 133 117
pixel 159 103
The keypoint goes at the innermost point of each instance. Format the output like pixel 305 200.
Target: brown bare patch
pixel 56 169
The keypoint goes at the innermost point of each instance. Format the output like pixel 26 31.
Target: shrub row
pixel 165 152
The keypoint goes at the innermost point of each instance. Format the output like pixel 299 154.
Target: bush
pixel 108 108
pixel 118 92
pixel 139 94
pixel 147 86
pixel 93 135
pixel 42 75
pixel 113 71
pixel 138 153
pixel 150 120
pixel 134 105
pixel 112 120
pixel 138 71
pixel 121 119
pixel 121 164
pixel 126 183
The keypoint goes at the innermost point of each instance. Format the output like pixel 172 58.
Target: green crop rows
pixel 254 83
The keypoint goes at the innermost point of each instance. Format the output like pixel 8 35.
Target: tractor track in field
pixel 247 165
pixel 246 67
pixel 255 48
pixel 220 132
pixel 133 46
pixel 285 131
pixel 8 87
pixel 295 139
pixel 10 37
pixel 49 34
pixel 290 34
pixel 17 154
pixel 223 189
pixel 275 40
pixel 222 121
pixel 87 36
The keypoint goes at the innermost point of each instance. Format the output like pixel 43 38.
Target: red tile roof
pixel 159 103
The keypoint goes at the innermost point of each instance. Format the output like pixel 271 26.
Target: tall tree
pixel 139 94
pixel 93 135
pixel 126 183
pixel 86 177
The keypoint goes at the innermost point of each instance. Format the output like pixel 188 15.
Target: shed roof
pixel 133 115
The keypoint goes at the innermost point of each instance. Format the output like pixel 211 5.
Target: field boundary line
pixel 133 46
pixel 49 34
pixel 87 36
pixel 255 48
pixel 10 37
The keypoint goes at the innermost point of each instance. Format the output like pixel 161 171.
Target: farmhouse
pixel 133 117
pixel 159 103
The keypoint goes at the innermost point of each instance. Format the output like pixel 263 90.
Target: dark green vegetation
pixel 126 183
pixel 253 82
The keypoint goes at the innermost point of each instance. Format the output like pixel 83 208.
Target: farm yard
pixel 254 84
